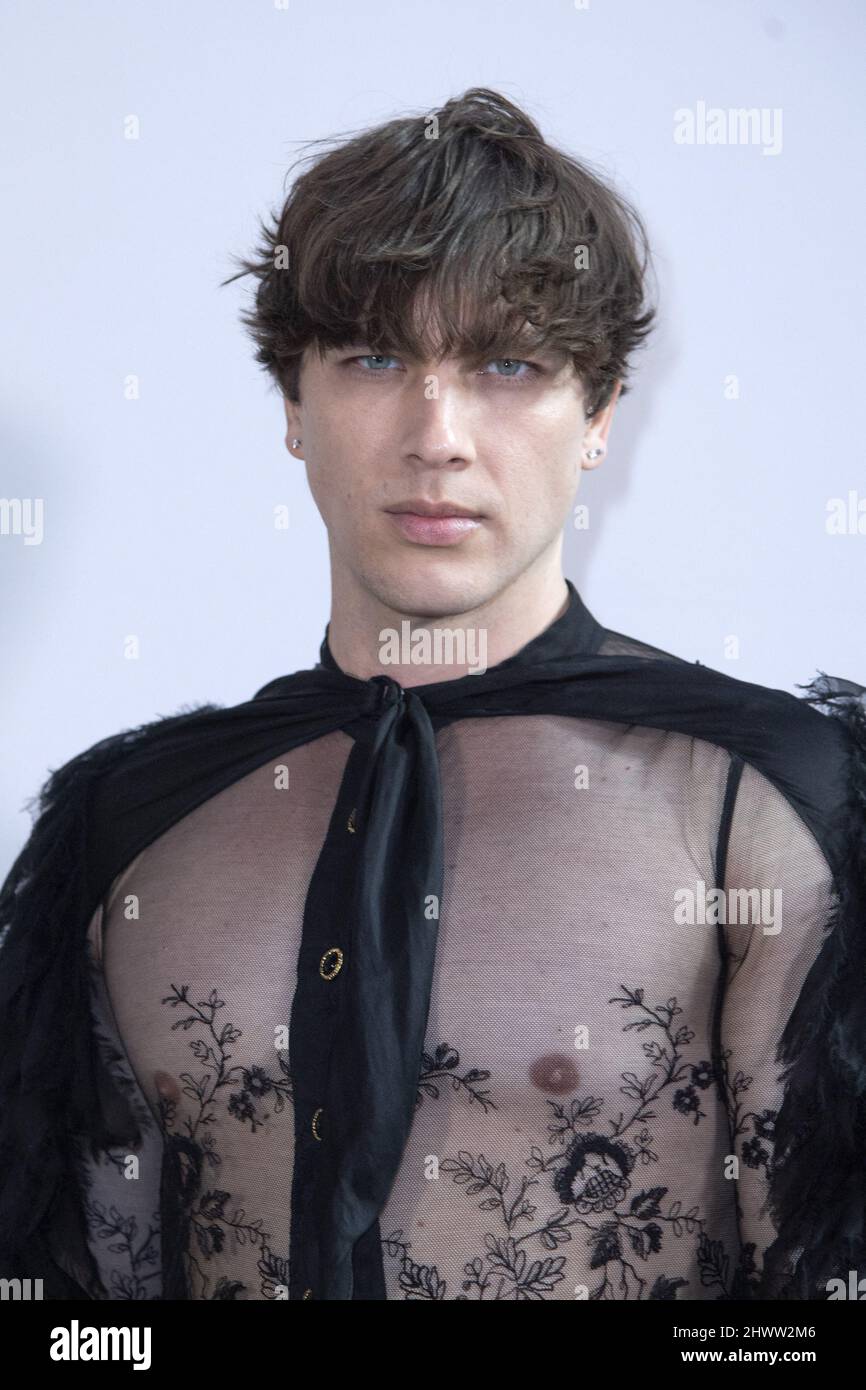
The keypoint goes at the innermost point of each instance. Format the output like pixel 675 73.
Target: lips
pixel 420 507
pixel 424 529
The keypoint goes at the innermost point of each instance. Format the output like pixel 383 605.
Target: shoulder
pixel 74 810
pixel 84 781
pixel 621 644
pixel 801 763
pixel 758 716
pixel 810 747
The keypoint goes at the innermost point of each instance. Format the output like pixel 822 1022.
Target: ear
pixel 293 426
pixel 596 434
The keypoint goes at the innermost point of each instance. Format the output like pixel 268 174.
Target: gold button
pixel 331 963
pixel 350 824
pixel 316 1134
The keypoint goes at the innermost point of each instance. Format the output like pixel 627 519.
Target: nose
pixel 438 429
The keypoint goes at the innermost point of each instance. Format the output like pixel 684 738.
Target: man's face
pixel 381 434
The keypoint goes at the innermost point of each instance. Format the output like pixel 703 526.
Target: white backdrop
pixel 708 519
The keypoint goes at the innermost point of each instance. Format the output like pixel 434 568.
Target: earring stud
pixel 296 443
pixel 594 453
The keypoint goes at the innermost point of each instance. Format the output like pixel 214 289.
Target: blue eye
pixel 378 363
pixel 512 362
pixel 378 357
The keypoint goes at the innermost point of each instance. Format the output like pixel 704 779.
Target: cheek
pixel 542 482
pixel 546 455
pixel 318 489
pixel 332 485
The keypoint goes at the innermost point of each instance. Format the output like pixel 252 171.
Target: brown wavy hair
pixel 466 217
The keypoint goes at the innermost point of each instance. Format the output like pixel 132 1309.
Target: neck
pixel 368 637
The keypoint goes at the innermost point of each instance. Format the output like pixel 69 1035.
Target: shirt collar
pixel 574 633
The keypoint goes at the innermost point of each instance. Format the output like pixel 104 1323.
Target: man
pixel 465 965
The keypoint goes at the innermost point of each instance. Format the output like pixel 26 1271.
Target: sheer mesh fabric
pixel 569 1137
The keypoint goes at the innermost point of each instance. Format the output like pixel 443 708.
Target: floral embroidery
pixel 210 1215
pixel 136 1249
pixel 443 1064
pixel 140 1251
pixel 595 1177
pixel 753 1151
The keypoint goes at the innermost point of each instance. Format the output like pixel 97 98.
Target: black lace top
pixel 596 1094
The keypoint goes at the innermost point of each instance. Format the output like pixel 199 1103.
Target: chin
pixel 430 590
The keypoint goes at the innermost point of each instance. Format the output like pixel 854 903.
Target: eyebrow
pixel 558 355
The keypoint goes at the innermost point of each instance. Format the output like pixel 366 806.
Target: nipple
pixel 166 1086
pixel 555 1072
